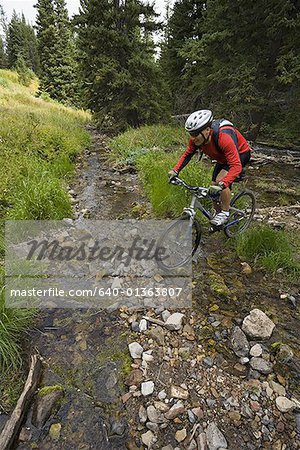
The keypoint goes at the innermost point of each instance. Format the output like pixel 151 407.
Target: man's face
pixel 200 139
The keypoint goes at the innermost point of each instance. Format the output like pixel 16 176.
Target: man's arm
pixel 186 157
pixel 231 152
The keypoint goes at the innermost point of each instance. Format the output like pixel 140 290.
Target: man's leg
pixel 226 193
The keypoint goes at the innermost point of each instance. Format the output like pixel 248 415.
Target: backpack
pixel 216 125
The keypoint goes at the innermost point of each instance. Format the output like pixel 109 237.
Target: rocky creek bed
pixel 222 374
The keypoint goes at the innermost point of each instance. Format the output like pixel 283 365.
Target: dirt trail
pixel 86 352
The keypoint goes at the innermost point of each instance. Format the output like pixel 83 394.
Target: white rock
pixel 258 325
pixel 116 284
pixel 148 439
pixel 143 325
pixel 256 350
pixel 174 322
pixel 215 438
pixel 168 447
pixel 147 357
pixel 147 388
pixel 201 441
pixel 135 350
pixel 162 395
pixel 284 404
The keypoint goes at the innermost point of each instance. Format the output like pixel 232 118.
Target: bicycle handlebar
pixel 196 189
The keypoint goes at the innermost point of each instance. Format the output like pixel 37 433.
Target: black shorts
pixel 244 157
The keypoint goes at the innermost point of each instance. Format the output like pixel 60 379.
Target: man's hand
pixel 215 189
pixel 172 174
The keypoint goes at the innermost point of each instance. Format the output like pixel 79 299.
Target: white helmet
pixel 198 121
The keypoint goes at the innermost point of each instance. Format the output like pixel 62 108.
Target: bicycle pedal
pixel 215 228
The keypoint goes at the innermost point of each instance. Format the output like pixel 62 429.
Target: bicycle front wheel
pixel 180 239
pixel 242 209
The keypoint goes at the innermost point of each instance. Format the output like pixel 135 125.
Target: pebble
pixel 180 435
pixel 258 325
pixel 135 327
pixel 208 362
pixel 158 335
pixel 174 321
pixel 143 325
pixel 244 360
pixel 261 365
pixel 215 438
pixel 297 418
pixel 167 447
pixel 152 426
pixel 142 414
pixel 256 350
pixel 148 438
pixel 284 404
pixel 54 431
pixel 202 442
pixel 191 416
pixel 239 342
pixel 147 388
pixel 278 388
pixel 162 395
pixel 135 350
pixel 285 354
pixel 154 415
pixel 176 409
pixel 179 392
pixel 165 315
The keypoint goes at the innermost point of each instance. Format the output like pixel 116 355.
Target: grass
pixel 154 150
pixel 270 249
pixel 127 147
pixel 39 142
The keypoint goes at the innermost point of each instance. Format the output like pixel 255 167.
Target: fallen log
pixel 12 426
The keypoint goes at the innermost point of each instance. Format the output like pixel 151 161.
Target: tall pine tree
pixel 122 81
pixel 244 71
pixel 184 23
pixel 21 44
pixel 56 49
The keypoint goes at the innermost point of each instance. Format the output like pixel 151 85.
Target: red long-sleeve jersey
pixel 227 152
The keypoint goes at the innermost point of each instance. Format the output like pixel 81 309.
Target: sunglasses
pixel 194 133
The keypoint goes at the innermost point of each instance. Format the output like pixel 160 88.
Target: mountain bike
pixel 182 236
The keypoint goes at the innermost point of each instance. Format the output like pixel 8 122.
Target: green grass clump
pixel 167 199
pixel 39 141
pixel 269 249
pixel 128 146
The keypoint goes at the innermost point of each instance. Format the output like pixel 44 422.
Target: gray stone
pixel 191 416
pixel 244 360
pixel 261 365
pixel 174 322
pixel 258 325
pixel 142 414
pixel 215 438
pixel 135 350
pixel 239 342
pixel 162 395
pixel 165 315
pixel 135 327
pixel 154 415
pixel 118 427
pixel 208 362
pixel 152 426
pixel 297 419
pixel 256 350
pixel 147 388
pixel 167 447
pixel 192 445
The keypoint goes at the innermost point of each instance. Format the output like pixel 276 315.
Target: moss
pixel 48 389
pixel 217 284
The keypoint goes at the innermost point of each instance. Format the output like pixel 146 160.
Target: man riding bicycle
pixel 222 142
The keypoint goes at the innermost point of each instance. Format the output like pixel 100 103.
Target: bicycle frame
pixel 198 193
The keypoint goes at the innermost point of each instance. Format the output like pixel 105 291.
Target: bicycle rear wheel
pixel 242 209
pixel 181 239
